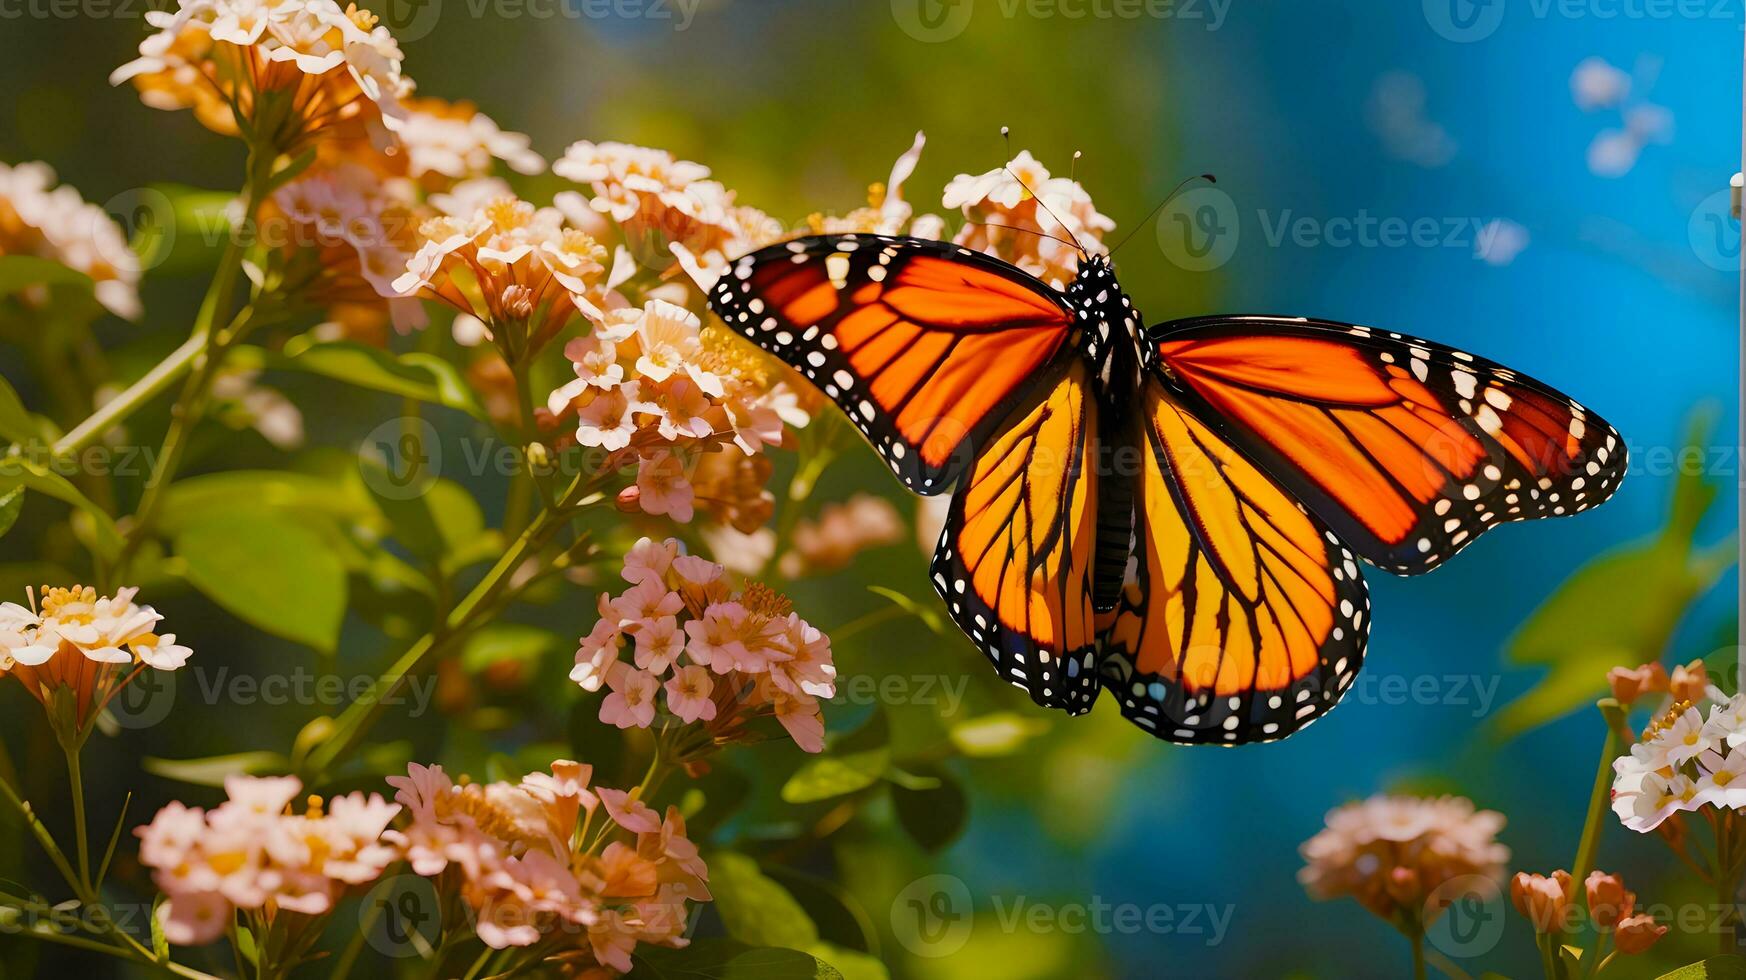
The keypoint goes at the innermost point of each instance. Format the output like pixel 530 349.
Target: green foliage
pixel 268 571
pixel 97 526
pixel 721 959
pixel 1714 968
pixel 754 908
pixel 11 505
pixel 420 377
pixel 21 272
pixel 1623 607
pixel 16 424
pixel 933 816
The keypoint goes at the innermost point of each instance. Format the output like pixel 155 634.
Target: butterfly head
pixel 1107 320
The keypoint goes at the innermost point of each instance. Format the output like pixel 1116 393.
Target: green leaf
pixel 929 616
pixel 933 817
pixel 851 964
pixel 21 272
pixel 1621 609
pixel 189 500
pixel 1728 967
pixel 212 770
pixel 290 171
pixel 441 522
pixel 11 503
pixel 15 422
pixel 498 642
pixel 995 734
pixel 16 473
pixel 853 764
pixel 173 228
pixel 160 943
pixel 753 908
pixel 421 377
pixel 268 571
pixel 725 959
pixel 827 776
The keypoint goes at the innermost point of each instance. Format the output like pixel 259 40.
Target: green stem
pixel 76 783
pixel 211 343
pixel 1600 796
pixel 351 725
pixel 1445 966
pixel 1417 938
pixel 116 410
pixel 1726 882
pixel 43 837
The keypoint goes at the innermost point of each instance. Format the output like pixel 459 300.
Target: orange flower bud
pixel 1689 682
pixel 1608 901
pixel 1637 933
pixel 1542 900
pixel 1403 885
pixel 630 500
pixel 1630 683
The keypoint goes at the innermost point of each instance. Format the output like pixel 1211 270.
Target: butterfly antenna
pixel 1025 231
pixel 1209 178
pixel 1006 134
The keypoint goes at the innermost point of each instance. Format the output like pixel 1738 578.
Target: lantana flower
pixel 350 236
pixel 664 205
pixel 1395 854
pixel 590 870
pixel 519 269
pixel 653 381
pixel 1687 760
pixel 74 650
pixel 1035 233
pixel 839 533
pixel 284 71
pixel 713 659
pixel 253 853
pixel 37 218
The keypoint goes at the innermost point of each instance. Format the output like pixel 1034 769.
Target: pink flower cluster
pixel 709 656
pixel 649 379
pixel 251 852
pixel 550 855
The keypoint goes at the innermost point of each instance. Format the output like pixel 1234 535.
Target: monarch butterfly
pixel 1175 513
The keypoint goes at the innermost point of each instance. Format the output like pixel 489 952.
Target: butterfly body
pixel 1175 514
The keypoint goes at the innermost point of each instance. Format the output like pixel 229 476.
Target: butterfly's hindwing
pixel 1246 619
pixel 1014 560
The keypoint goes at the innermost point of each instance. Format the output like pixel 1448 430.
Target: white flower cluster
pixel 1686 761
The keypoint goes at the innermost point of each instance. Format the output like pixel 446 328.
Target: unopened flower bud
pixel 1540 899
pixel 1608 901
pixel 1637 933
pixel 630 500
pixel 1690 682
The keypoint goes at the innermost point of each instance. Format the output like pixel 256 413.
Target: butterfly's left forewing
pixel 1245 618
pixel 926 346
